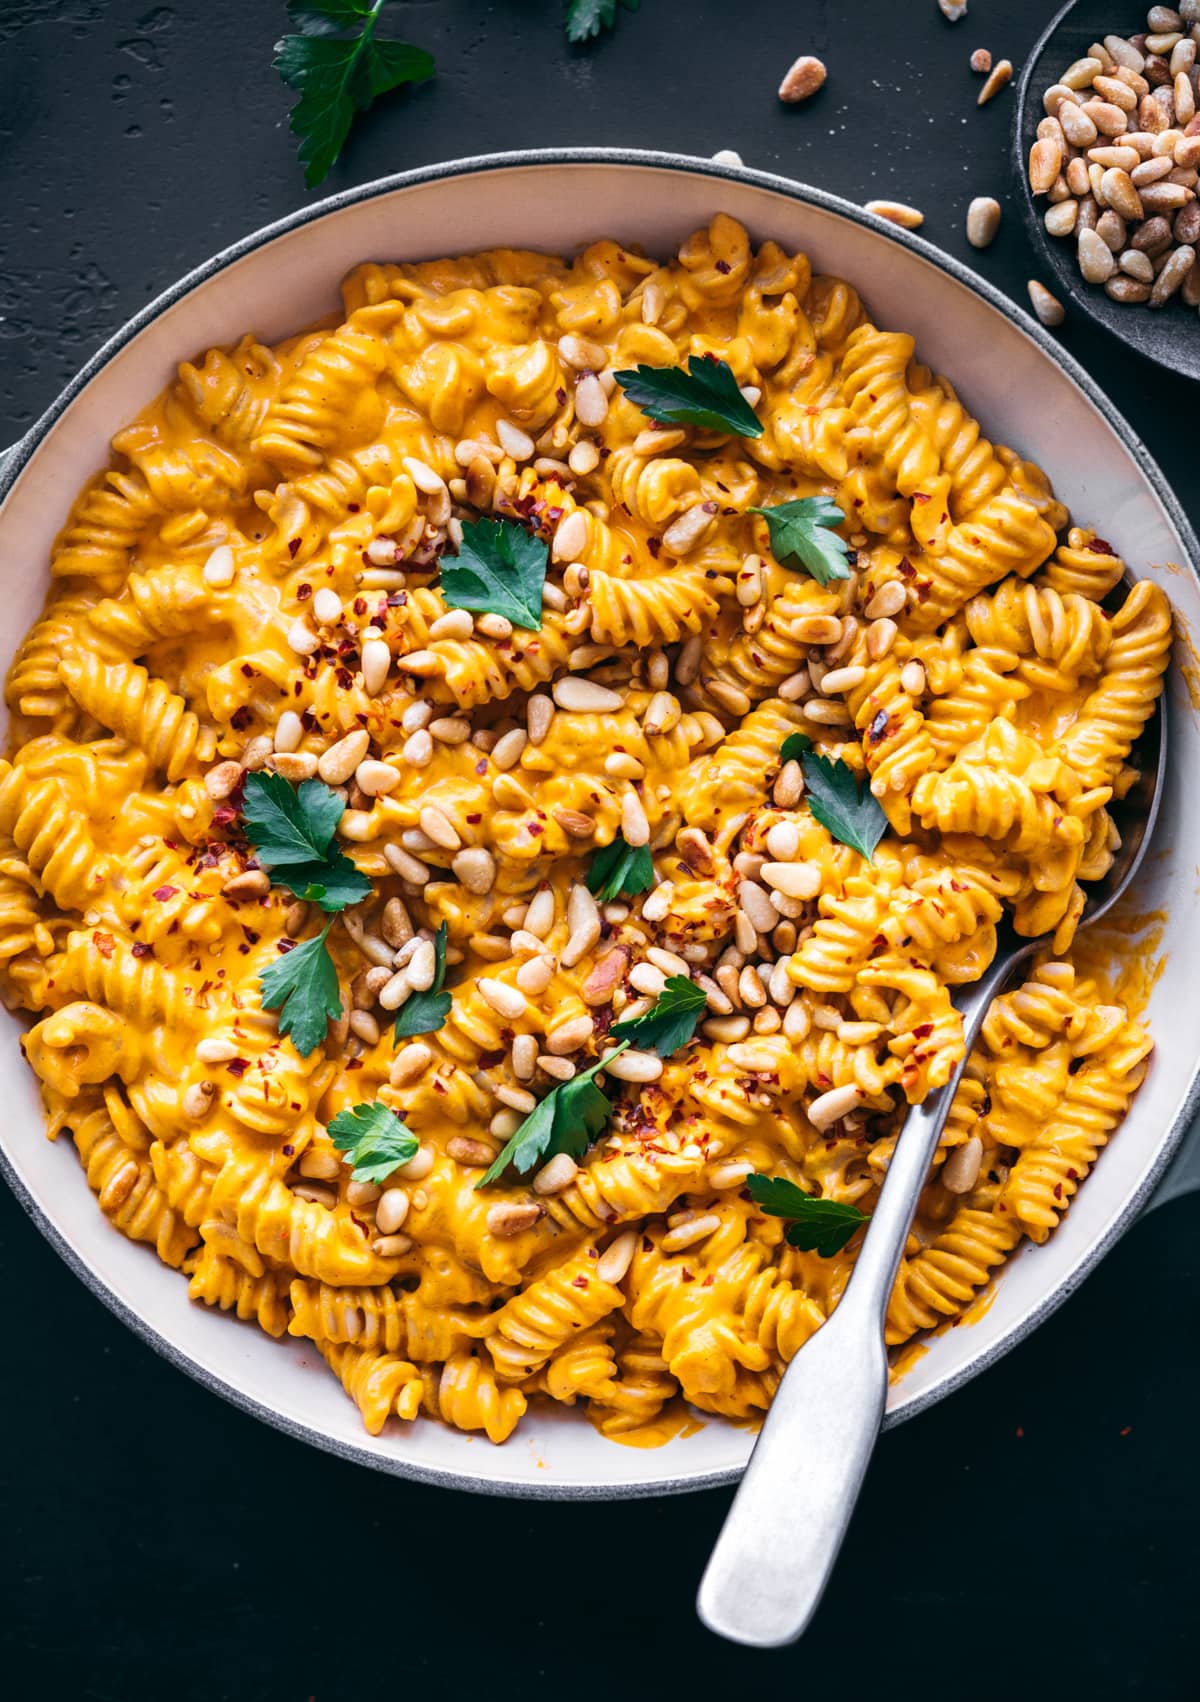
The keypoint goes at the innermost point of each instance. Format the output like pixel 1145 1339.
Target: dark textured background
pixel 1033 1536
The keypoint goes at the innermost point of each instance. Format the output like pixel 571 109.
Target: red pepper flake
pixel 142 949
pixel 923 1031
pixel 1058 1190
pixel 1126 1430
pixel 288 1150
pixel 560 395
pixel 476 817
pixel 293 547
pixel 238 1066
pixel 1101 547
pixel 162 893
pixel 241 719
pixel 878 728
pixel 224 815
pixel 723 266
pixel 534 828
pixel 686 1275
pixel 579 1282
pixel 104 944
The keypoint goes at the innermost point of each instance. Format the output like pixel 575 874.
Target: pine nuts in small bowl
pixel 1107 147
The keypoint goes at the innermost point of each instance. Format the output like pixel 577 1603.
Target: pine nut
pixel 614 1262
pixel 219 569
pixel 511 1218
pixel 338 763
pixel 794 880
pixel 504 1000
pixel 535 975
pixel 635 1066
pixel 569 1036
pixel 888 600
pixel 591 402
pixel 802 79
pixel 1000 74
pixel 198 1099
pixel 961 1170
pixel 514 441
pixel 829 1108
pixel 376 661
pixel 1049 310
pixel 222 780
pixel 423 476
pixel 584 697
pixel 213 1050
pixel 409 1063
pixel 539 713
pixel 688 1234
pixel 983 221
pixel 391 1210
pixel 254 883
pixel 897 213
pixel 408 867
pixel 376 779
pixel 327 607
pixel 289 731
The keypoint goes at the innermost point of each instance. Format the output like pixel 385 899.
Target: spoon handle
pixel 776 1551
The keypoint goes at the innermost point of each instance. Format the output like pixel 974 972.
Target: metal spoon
pixel 778 1545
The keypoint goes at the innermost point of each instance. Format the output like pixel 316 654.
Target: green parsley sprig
pixel 339 74
pixel 292 832
pixel 567 1120
pixel 705 395
pixel 423 1013
pixel 815 1225
pixel 588 18
pixel 500 569
pixel 670 1023
pixel 373 1139
pixel 620 870
pixel 849 810
pixel 802 537
pixel 303 987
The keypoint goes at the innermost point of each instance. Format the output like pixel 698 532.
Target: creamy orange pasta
pixel 260 584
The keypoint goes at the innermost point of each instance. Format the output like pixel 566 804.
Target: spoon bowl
pixel 779 1543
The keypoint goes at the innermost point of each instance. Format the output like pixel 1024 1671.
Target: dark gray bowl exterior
pixel 1168 336
pixel 15 459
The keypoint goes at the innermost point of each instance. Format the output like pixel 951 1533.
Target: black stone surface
pixel 1168 336
pixel 1036 1535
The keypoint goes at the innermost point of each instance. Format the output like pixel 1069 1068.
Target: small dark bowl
pixel 1169 336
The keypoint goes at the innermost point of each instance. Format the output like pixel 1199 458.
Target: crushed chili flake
pixel 142 949
pixel 162 893
pixel 293 549
pixel 1100 547
pixel 104 944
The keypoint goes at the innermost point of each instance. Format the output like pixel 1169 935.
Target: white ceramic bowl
pixel 1027 393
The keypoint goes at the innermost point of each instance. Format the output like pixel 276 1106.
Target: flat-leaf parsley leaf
pixel 292 831
pixel 374 1140
pixel 672 1021
pixel 794 746
pixel 816 1226
pixel 337 76
pixel 802 536
pixel 620 870
pixel 500 569
pixel 849 810
pixel 422 1013
pixel 303 987
pixel 567 1120
pixel 705 395
pixel 586 18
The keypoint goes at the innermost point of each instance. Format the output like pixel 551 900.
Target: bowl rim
pixel 1058 257
pixel 15 458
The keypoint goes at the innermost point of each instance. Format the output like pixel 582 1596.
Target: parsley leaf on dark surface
pixel 801 537
pixel 816 1225
pixel 705 395
pixel 672 1021
pixel 619 869
pixel 337 75
pixel 303 987
pixel 567 1120
pixel 794 746
pixel 849 810
pixel 587 18
pixel 292 831
pixel 374 1140
pixel 422 1013
pixel 500 569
